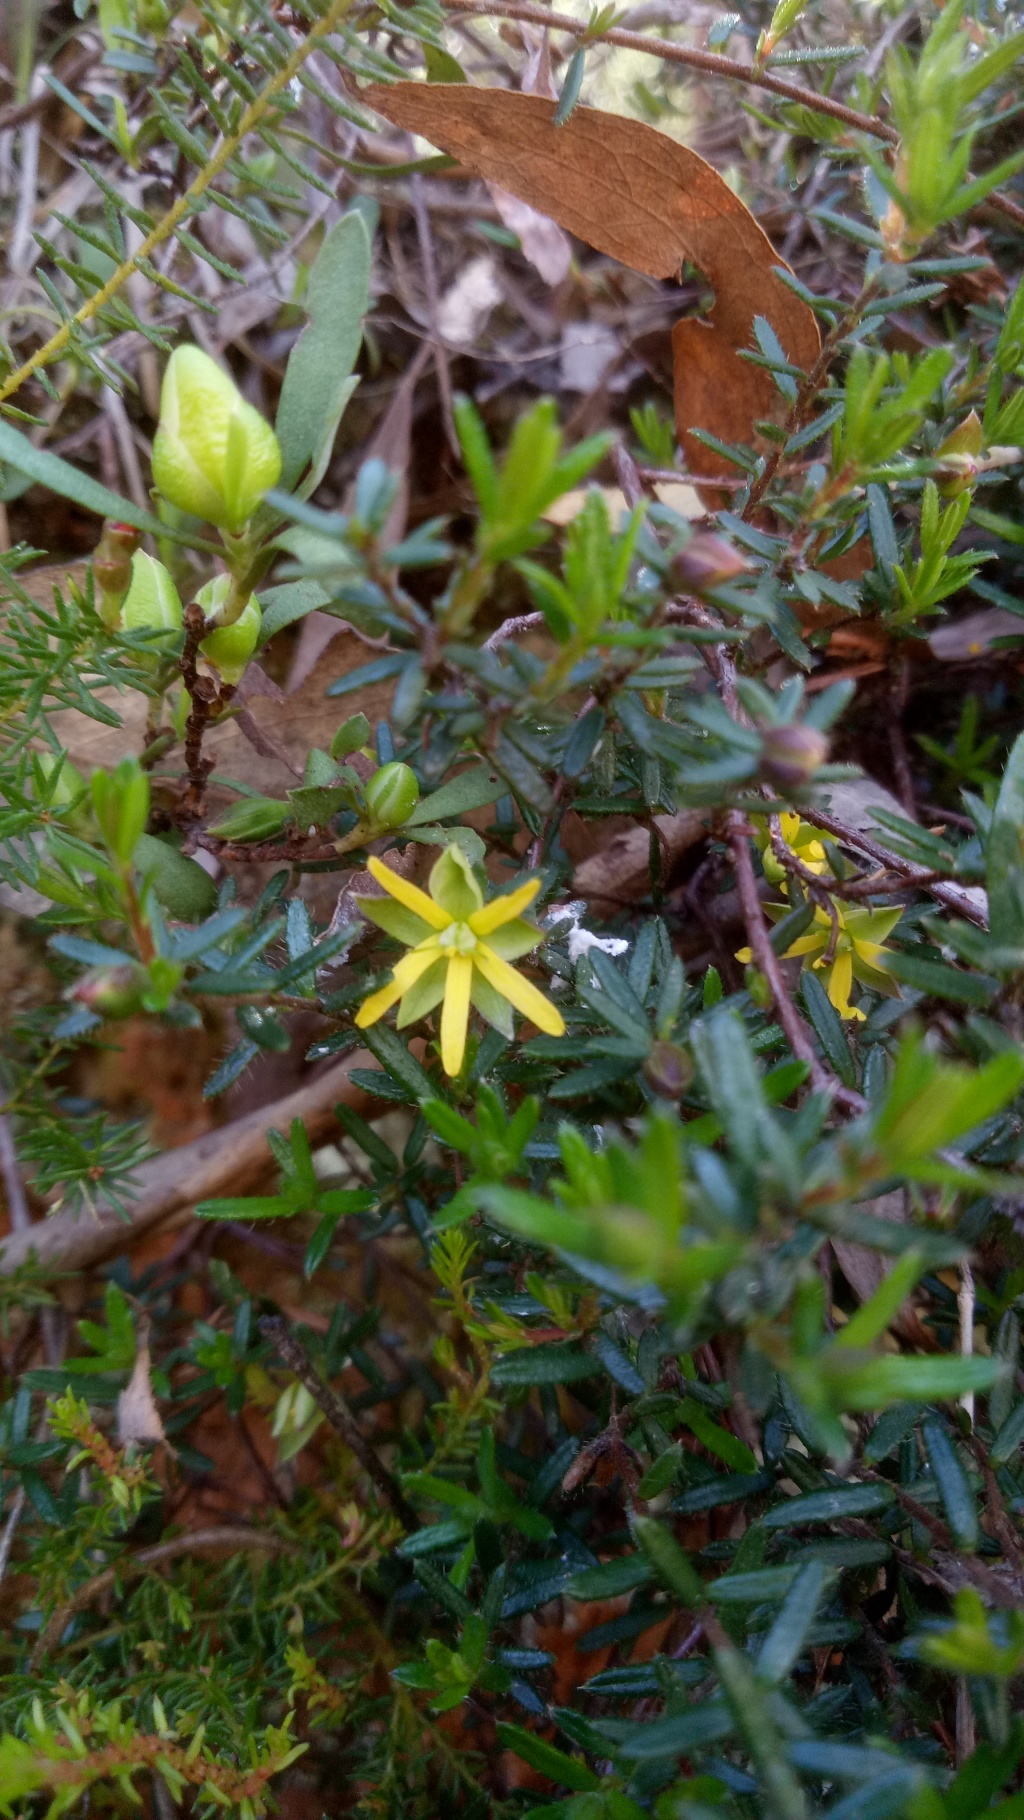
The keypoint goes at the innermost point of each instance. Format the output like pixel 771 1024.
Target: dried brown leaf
pixel 647 201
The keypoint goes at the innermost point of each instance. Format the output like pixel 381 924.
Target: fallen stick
pixel 231 1159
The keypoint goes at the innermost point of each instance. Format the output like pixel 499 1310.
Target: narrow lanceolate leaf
pixel 68 482
pixel 957 1498
pixel 316 381
pixel 1004 868
pixel 783 1796
pixel 786 1639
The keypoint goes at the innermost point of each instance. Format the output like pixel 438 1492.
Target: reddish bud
pixel 707 562
pixel 790 756
pixel 668 1070
pixel 111 992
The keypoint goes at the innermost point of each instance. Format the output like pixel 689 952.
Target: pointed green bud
pixel 391 795
pixel 229 648
pixel 151 603
pixel 213 454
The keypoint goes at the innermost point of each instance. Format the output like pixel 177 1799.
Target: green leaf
pixel 612 1578
pixel 393 1055
pixel 672 1566
pixel 1009 1439
pixel 829 1506
pixel 558 1363
pixel 547 1758
pixel 1004 856
pixel 939 979
pixel 52 472
pixel 284 605
pixel 787 1637
pixel 317 379
pixel 958 1503
pixel 472 789
pixel 827 1026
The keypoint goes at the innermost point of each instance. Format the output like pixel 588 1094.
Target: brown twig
pixel 226 1535
pixel 333 1406
pixel 765 957
pixel 232 1159
pixel 206 696
pixel 712 63
pixel 954 897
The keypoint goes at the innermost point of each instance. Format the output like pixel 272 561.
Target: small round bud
pixel 790 756
pixel 228 649
pixel 213 454
pixel 391 795
pixel 707 562
pixel 958 456
pixel 151 603
pixel 110 992
pixel 668 1070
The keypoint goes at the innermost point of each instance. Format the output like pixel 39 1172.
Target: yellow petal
pixel 804 944
pixel 408 970
pixel 503 909
pixel 840 981
pixel 406 973
pixel 519 992
pixel 455 1014
pixel 745 955
pixel 375 1006
pixel 409 895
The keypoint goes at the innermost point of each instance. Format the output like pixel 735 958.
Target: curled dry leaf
pixel 654 205
pixel 138 1418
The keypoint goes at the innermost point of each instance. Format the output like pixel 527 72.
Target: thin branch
pixel 227 1535
pixel 954 897
pixel 230 1160
pixel 712 64
pixel 333 1405
pixel 185 204
pixel 765 958
pixel 511 628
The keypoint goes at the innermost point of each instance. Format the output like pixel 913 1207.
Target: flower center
pixel 458 936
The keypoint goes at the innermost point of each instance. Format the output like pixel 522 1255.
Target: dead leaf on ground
pixel 138 1418
pixel 647 201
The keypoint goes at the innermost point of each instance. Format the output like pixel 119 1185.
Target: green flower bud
pixel 151 603
pixel 391 795
pixel 213 454
pixel 254 818
pixel 229 648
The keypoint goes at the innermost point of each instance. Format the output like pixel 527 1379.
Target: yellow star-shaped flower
pixel 460 953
